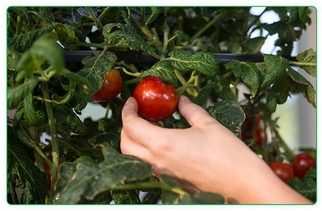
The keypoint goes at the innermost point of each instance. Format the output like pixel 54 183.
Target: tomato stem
pixel 289 153
pixel 130 73
pixel 206 27
pixel 97 22
pixel 54 140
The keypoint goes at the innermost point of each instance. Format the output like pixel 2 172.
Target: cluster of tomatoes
pixel 300 166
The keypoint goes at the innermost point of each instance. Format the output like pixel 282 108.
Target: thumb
pixel 193 113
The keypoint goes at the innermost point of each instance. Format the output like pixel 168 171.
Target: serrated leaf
pixel 125 35
pixel 182 35
pixel 202 62
pixel 30 113
pixel 66 35
pixel 153 15
pixel 253 46
pixel 307 187
pixel 24 41
pixel 90 180
pixel 228 113
pixel 26 66
pixel 70 118
pixel 45 14
pixel 223 89
pixel 169 197
pixel 17 93
pixel 96 67
pixel 276 65
pixel 164 70
pixel 203 198
pixel 32 181
pixel 308 56
pixel 271 101
pixel 125 197
pixel 66 170
pixel 106 139
pixel 304 86
pixel 205 93
pixel 248 73
pixel 281 88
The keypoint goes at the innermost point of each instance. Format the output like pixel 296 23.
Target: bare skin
pixel 206 157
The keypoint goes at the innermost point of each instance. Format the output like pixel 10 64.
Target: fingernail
pixel 184 99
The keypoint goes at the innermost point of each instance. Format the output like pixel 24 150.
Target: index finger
pixel 136 127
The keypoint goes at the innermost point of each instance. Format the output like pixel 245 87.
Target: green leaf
pixel 152 197
pixel 281 88
pixel 47 48
pixel 228 113
pixel 125 35
pixel 30 113
pixel 308 56
pixel 26 66
pixel 90 180
pixel 271 101
pixel 205 93
pixel 253 46
pixel 307 187
pixel 202 62
pixel 32 181
pixel 203 198
pixel 125 197
pixel 183 36
pixel 276 65
pixel 45 14
pixel 66 35
pixel 106 139
pixel 96 67
pixel 70 119
pixel 167 196
pixel 162 69
pixel 248 73
pixel 224 90
pixel 24 41
pixel 17 93
pixel 153 15
pixel 303 86
pixel 66 170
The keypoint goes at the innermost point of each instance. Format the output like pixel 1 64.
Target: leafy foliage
pixel 177 44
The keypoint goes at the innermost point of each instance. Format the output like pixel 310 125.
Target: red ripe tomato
pixel 111 87
pixel 259 136
pixel 283 170
pixel 302 163
pixel 248 121
pixel 156 99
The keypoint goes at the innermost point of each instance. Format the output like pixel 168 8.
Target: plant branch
pixel 97 22
pixel 289 152
pixel 206 27
pixel 54 140
pixel 102 15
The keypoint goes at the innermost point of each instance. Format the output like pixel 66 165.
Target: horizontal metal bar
pixel 143 57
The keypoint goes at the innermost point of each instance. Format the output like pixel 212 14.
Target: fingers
pixel 138 129
pixel 130 147
pixel 193 113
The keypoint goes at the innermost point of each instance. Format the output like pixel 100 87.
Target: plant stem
pixel 149 185
pixel 107 110
pixel 132 81
pixel 130 73
pixel 97 45
pixel 302 63
pixel 180 77
pixel 70 147
pixel 254 21
pixel 265 149
pixel 54 140
pixel 209 24
pixel 102 15
pixel 97 22
pixel 289 152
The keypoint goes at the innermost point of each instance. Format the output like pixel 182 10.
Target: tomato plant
pixel 111 87
pixel 156 100
pixel 61 60
pixel 283 170
pixel 302 163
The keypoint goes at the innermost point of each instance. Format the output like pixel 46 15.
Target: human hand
pixel 206 156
